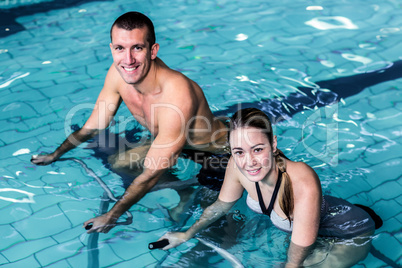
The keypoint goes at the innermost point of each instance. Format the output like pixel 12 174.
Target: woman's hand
pixel 175 239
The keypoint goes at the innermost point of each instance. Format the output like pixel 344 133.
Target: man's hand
pixel 175 239
pixel 101 224
pixel 43 160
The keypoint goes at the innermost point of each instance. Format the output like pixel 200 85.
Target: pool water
pixel 54 57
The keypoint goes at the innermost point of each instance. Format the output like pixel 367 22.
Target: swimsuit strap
pixel 273 198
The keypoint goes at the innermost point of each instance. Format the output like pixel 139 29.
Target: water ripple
pixel 14 77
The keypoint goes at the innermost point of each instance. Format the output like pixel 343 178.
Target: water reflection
pixel 335 22
pixel 28 199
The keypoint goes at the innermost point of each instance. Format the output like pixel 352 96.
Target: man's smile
pixel 130 69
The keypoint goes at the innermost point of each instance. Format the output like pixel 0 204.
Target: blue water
pixel 54 57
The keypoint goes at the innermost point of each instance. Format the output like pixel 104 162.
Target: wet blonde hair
pixel 252 117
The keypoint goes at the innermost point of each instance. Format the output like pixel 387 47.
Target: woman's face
pixel 252 152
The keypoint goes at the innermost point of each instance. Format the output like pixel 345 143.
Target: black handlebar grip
pixel 158 244
pixel 89 226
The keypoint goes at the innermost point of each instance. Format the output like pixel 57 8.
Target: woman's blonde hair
pixel 252 117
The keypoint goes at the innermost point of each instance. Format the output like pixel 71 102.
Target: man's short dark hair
pixel 135 20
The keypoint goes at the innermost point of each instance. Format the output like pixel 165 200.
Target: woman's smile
pixel 254 172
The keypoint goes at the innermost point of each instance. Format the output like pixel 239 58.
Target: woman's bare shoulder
pixel 303 177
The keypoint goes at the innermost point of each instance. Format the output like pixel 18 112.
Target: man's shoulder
pixel 174 82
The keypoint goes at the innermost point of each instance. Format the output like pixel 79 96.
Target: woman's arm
pixel 306 214
pixel 210 215
pixel 231 191
pixel 297 254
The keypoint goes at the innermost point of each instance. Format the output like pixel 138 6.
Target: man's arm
pixel 72 141
pixel 105 108
pixel 172 118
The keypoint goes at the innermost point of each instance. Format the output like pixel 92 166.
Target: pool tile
pixel 393 133
pixel 3 260
pixel 7 160
pixel 5 56
pixel 385 150
pixel 8 125
pixel 94 85
pixel 46 144
pixel 144 225
pixel 28 61
pixel 371 261
pixel 10 237
pixel 26 248
pixel 59 264
pixel 386 100
pixel 75 74
pixel 144 260
pixel 383 172
pixel 75 61
pixel 59 104
pixel 29 261
pixel 392 225
pixel 78 260
pixel 24 94
pixel 15 38
pixel 59 178
pixel 151 200
pixel 20 139
pixel 390 51
pixel 98 70
pixel 76 232
pixel 386 209
pixel 55 220
pixel 8 178
pixel 175 60
pixel 107 256
pixel 46 201
pixel 16 109
pixel 15 212
pixel 392 188
pixel 383 116
pixel 41 107
pixel 58 129
pixel 61 89
pixel 58 252
pixel 46 75
pixel 388 245
pixel 41 121
pixel 73 211
pixel 361 198
pixel 135 240
pixel 346 190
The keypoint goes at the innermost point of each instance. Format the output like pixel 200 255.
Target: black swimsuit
pixel 213 167
pixel 339 218
pixel 267 211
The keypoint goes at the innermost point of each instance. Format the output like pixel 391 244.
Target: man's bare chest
pixel 142 109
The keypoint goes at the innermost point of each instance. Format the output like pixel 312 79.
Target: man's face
pixel 132 54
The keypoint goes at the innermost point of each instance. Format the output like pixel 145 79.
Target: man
pixel 169 104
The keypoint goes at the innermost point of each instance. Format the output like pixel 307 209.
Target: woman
pixel 290 193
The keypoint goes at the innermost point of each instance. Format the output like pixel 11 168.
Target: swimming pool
pixel 54 57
